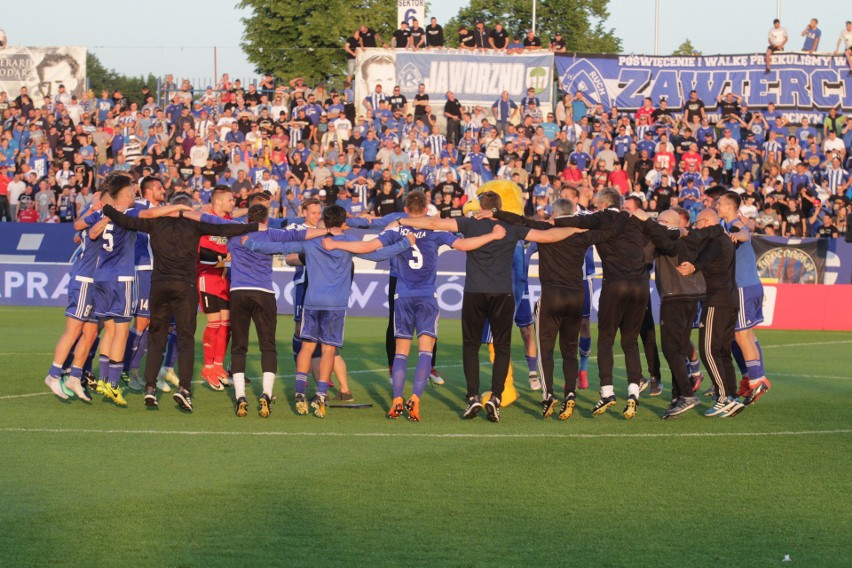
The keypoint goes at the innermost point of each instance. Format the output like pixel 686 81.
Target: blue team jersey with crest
pixel 746 261
pixel 417 267
pixel 143 256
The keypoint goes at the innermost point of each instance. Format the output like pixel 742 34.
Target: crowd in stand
pixel 295 142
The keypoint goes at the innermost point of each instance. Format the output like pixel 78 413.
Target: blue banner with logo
pixel 476 79
pixel 800 85
pixel 36 242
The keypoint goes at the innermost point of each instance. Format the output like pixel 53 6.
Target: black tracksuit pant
pixel 648 334
pixel 178 299
pixel 715 337
pixel 622 307
pixel 256 306
pixel 498 309
pixel 676 319
pixel 558 311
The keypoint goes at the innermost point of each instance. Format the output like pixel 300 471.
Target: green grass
pixel 87 485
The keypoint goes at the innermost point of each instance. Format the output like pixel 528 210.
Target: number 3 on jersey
pixel 416 261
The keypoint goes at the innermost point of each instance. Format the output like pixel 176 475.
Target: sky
pixel 164 36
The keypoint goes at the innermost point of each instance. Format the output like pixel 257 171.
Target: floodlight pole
pixel 533 16
pixel 657 27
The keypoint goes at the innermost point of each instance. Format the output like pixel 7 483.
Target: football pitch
pixel 94 484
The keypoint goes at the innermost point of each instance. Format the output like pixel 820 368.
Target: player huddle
pixel 157 263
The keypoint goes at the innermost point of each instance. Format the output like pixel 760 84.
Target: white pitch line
pixel 10 396
pixel 420 435
pixel 843 342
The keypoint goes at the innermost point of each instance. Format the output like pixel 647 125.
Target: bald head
pixel 709 217
pixel 669 218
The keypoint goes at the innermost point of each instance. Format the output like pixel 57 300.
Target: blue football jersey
pixel 86 262
pixel 746 261
pixel 417 267
pixel 253 270
pixel 143 255
pixel 329 271
pixel 118 252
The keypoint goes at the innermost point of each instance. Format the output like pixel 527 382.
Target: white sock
pixel 606 391
pixel 268 381
pixel 239 385
pixel 633 390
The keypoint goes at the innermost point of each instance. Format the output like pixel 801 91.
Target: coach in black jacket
pixel 717 261
pixel 560 308
pixel 624 295
pixel 679 296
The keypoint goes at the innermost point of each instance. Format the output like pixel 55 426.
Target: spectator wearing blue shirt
pixel 647 144
pixel 812 35
pixel 806 130
pixel 504 110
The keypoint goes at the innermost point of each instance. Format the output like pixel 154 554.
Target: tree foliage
pixel 305 38
pixel 686 48
pixel 102 78
pixel 581 22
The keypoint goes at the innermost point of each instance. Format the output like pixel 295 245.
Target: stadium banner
pixel 790 261
pixel 36 242
pixel 408 10
pixel 474 78
pixel 800 85
pixel 785 306
pixel 41 70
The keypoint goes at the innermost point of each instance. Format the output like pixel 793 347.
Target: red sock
pixel 222 339
pixel 209 341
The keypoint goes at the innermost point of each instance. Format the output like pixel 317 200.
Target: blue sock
pixel 141 349
pixel 87 366
pixel 131 347
pixel 421 373
pixel 171 350
pixel 739 358
pixel 585 351
pixel 103 367
pixel 398 372
pixel 532 364
pixel 115 368
pixel 322 388
pixel 55 370
pixel 76 372
pixel 753 369
pixel 693 367
pixel 301 383
pixel 761 368
pixel 297 346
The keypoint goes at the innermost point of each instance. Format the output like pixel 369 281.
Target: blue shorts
pixel 298 302
pixel 323 326
pixel 751 307
pixel 115 299
pixel 143 293
pixel 587 297
pixel 81 299
pixel 520 288
pixel 697 323
pixel 415 312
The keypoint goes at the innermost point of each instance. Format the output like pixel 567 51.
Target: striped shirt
pixel 836 179
pixel 436 142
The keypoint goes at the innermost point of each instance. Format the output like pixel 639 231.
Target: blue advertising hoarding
pixel 800 85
